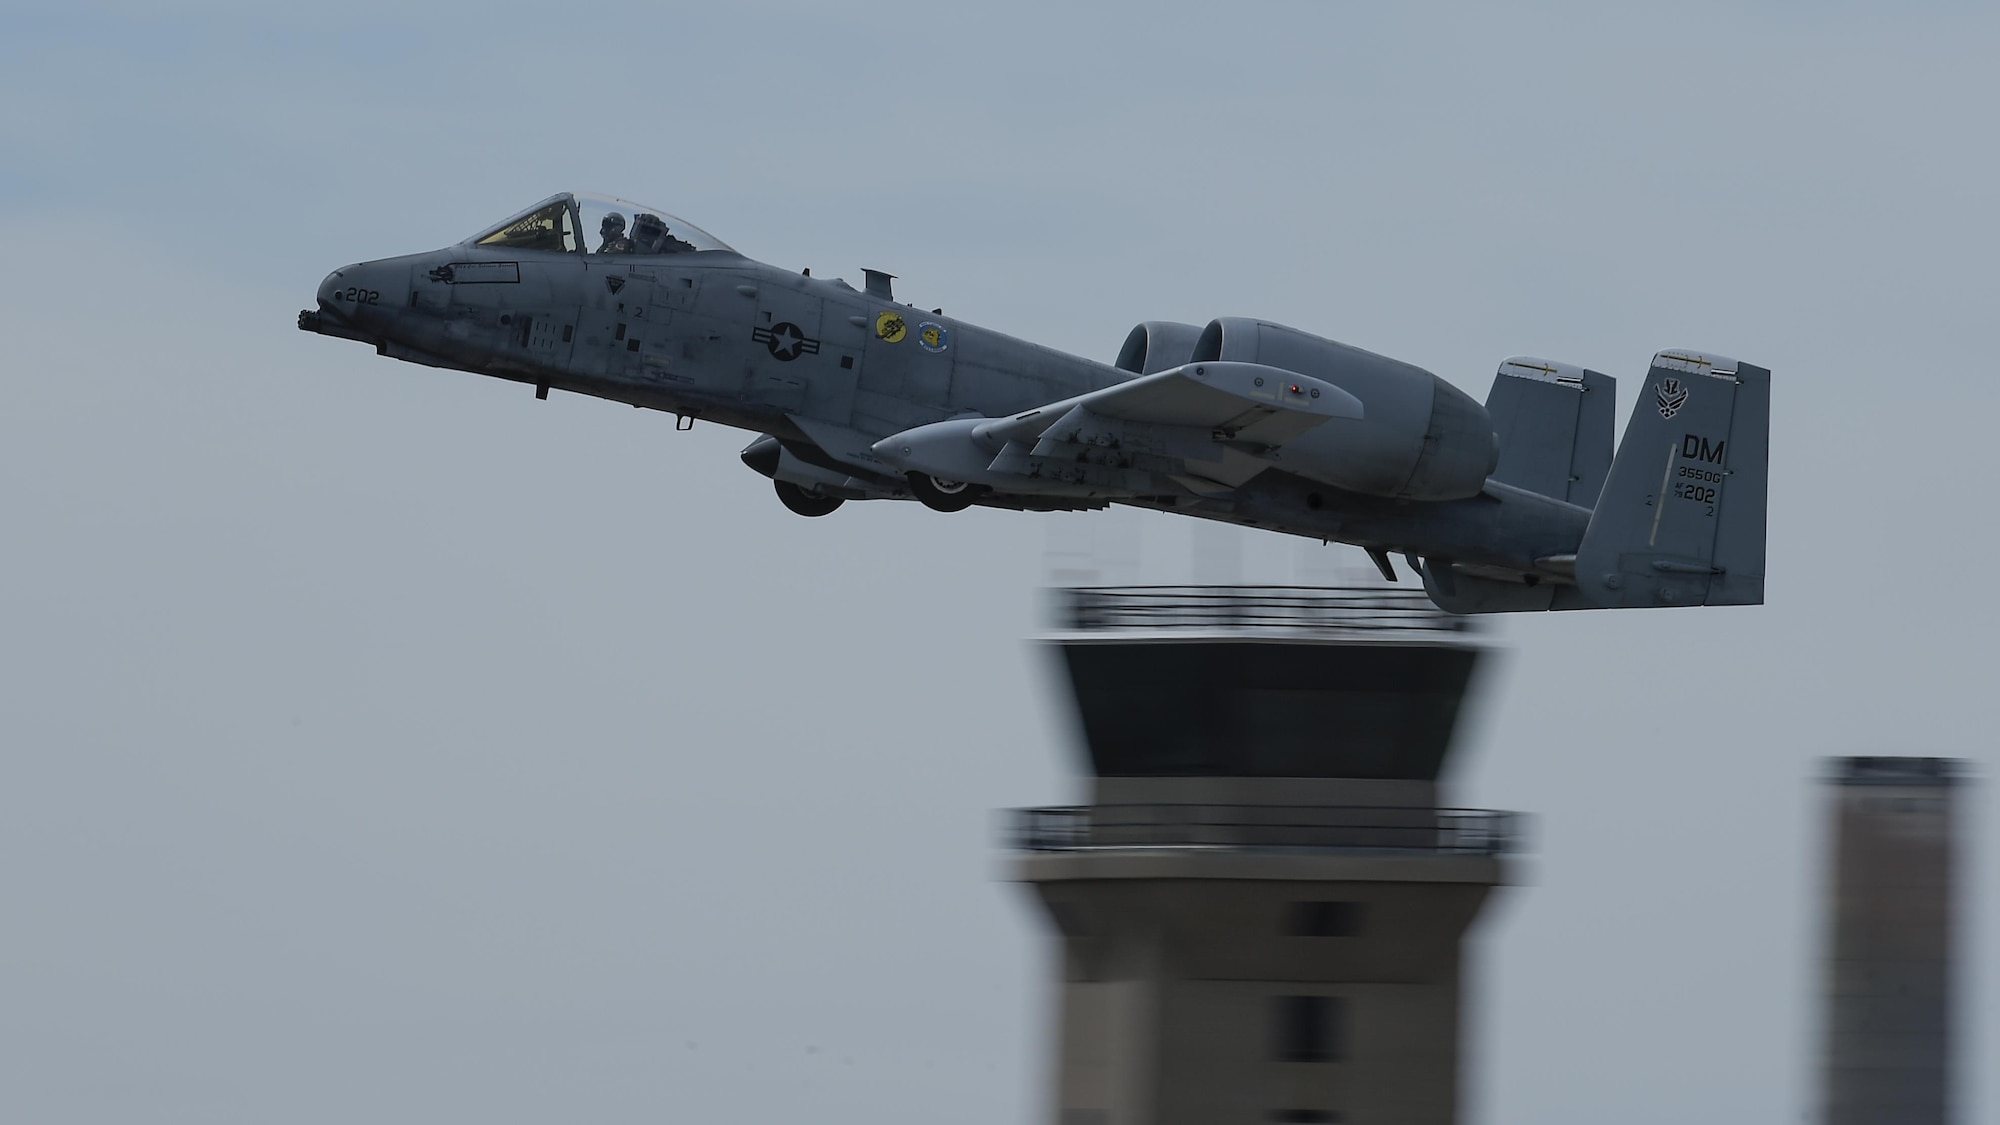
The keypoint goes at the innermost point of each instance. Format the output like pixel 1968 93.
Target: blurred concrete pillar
pixel 1889 986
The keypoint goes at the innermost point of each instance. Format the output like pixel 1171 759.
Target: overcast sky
pixel 379 743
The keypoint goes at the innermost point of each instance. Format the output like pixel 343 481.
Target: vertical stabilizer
pixel 1681 518
pixel 1555 424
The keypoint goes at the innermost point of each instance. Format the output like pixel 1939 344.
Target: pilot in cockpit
pixel 612 231
pixel 650 236
pixel 647 231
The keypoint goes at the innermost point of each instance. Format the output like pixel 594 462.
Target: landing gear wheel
pixel 803 502
pixel 944 495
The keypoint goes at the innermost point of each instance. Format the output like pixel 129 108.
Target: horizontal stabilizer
pixel 1473 593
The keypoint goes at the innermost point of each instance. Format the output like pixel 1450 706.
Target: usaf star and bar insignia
pixel 785 341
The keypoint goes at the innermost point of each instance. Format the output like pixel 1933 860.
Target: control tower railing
pixel 1294 610
pixel 1266 827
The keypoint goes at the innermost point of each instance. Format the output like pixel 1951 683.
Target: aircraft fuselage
pixel 829 370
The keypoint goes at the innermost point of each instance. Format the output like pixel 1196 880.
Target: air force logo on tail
pixel 1671 396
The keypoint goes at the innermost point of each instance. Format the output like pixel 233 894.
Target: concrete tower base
pixel 1244 986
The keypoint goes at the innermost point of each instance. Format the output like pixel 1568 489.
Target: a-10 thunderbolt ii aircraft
pixel 1518 504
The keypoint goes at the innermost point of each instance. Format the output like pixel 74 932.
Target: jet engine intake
pixel 1419 437
pixel 1157 345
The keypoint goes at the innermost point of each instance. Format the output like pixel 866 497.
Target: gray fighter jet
pixel 1519 504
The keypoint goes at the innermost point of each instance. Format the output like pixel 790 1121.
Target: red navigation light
pixel 1295 388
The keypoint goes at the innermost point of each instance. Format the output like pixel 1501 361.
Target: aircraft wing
pixel 1208 426
pixel 1242 403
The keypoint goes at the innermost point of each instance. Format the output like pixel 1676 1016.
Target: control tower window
pixel 1308 1029
pixel 1323 919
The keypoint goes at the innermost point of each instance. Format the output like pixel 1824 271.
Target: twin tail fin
pixel 1677 516
pixel 1681 517
pixel 1554 422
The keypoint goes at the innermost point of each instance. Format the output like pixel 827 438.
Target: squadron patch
pixel 1671 396
pixel 932 337
pixel 892 327
pixel 785 341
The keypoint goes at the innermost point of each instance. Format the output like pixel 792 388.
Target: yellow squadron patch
pixel 892 327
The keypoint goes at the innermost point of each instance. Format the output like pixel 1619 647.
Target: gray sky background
pixel 380 743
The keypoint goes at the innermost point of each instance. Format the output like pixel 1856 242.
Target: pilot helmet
pixel 613 221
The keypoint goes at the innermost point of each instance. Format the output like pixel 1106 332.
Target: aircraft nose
pixel 365 300
pixel 332 286
pixel 357 289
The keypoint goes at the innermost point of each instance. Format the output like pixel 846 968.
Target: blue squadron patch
pixel 932 337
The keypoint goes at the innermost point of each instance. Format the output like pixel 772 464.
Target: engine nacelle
pixel 1420 439
pixel 1157 345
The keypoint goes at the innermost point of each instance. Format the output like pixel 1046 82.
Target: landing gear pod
pixel 806 501
pixel 944 495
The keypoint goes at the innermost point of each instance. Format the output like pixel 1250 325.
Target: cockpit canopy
pixel 573 223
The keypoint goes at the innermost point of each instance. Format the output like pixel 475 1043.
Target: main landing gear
pixel 944 495
pixel 806 502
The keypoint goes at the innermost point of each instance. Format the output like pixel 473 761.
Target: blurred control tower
pixel 1261 908
pixel 1889 955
